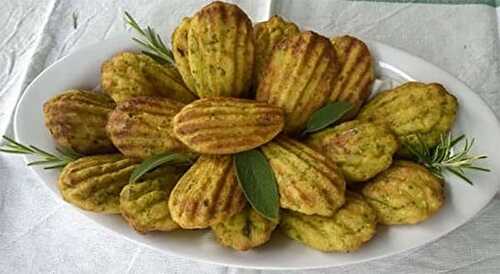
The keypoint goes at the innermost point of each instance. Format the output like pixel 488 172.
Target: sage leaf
pixel 326 116
pixel 256 179
pixel 158 160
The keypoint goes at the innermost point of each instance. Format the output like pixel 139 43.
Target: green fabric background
pixel 492 3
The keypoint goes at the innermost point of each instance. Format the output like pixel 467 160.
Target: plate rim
pixel 374 46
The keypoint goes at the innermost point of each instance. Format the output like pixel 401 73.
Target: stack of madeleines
pixel 235 87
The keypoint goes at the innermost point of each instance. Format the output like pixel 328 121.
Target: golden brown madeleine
pixel 180 49
pixel 360 149
pixel 244 230
pixel 352 226
pixel 413 109
pixel 356 76
pixel 406 193
pixel 221 50
pixel 141 127
pixel 130 74
pixel 267 35
pixel 94 183
pixel 207 194
pixel 223 125
pixel 145 204
pixel 299 77
pixel 307 181
pixel 76 119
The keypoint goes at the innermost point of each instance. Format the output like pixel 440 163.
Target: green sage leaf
pixel 326 116
pixel 256 179
pixel 158 160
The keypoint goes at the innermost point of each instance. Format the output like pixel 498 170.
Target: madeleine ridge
pixel 299 77
pixel 223 125
pixel 267 35
pixel 307 181
pixel 207 193
pixel 215 51
pixel 141 127
pixel 94 183
pixel 76 119
pixel 356 76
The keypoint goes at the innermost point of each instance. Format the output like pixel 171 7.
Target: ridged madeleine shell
pixel 145 204
pixel 244 230
pixel 413 110
pixel 267 35
pixel 405 193
pixel 207 194
pixel 307 181
pixel 76 119
pixel 180 50
pixel 223 125
pixel 353 225
pixel 360 149
pixel 130 74
pixel 221 50
pixel 94 183
pixel 356 76
pixel 299 77
pixel 142 127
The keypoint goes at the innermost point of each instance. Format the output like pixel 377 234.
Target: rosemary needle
pixel 442 157
pixel 151 41
pixel 47 159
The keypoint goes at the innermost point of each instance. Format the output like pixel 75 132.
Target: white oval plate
pixel 82 70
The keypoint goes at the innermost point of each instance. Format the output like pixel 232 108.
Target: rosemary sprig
pixel 151 41
pixel 442 158
pixel 48 160
pixel 74 16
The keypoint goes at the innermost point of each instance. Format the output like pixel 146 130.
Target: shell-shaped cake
pixel 299 77
pixel 405 193
pixel 356 75
pixel 180 50
pixel 130 74
pixel 267 35
pixel 220 51
pixel 307 181
pixel 415 112
pixel 94 183
pixel 360 149
pixel 206 194
pixel 76 120
pixel 244 230
pixel 142 127
pixel 145 204
pixel 223 125
pixel 347 230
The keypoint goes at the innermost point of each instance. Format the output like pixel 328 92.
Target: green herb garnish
pixel 74 16
pixel 326 116
pixel 256 179
pixel 151 41
pixel 48 160
pixel 442 158
pixel 158 160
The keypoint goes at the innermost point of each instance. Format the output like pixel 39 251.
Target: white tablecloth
pixel 39 233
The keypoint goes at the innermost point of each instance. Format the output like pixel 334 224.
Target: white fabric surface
pixel 40 234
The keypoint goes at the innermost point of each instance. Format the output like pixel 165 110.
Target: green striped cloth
pixel 492 3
